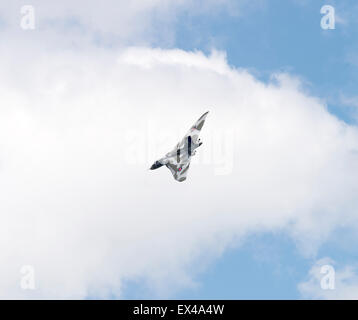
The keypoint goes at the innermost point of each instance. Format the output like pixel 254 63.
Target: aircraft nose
pixel 155 165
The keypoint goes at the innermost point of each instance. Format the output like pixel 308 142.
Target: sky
pixel 96 91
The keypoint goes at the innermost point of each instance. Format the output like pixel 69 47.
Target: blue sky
pixel 267 266
pixel 275 36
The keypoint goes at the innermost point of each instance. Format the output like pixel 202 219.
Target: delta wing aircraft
pixel 178 160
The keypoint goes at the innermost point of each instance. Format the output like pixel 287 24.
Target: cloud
pixel 78 133
pixel 345 282
pixel 108 23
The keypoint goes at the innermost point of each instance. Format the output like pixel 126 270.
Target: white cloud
pixel 73 206
pixel 76 207
pixel 110 23
pixel 345 288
